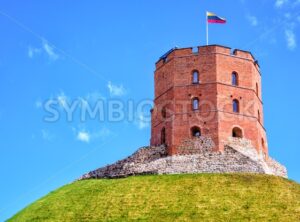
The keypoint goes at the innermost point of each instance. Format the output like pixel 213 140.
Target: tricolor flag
pixel 213 18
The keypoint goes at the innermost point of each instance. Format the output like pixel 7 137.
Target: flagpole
pixel 206 29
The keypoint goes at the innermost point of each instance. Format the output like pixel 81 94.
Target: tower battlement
pixel 202 50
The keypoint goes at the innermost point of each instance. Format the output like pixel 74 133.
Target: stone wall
pixel 238 156
pixel 122 167
pixel 276 168
pixel 196 146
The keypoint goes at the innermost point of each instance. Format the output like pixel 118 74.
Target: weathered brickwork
pixel 175 91
pixel 237 157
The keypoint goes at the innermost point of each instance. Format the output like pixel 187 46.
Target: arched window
pixel 235 106
pixel 234 79
pixel 195 104
pixel 163 136
pixel 195 131
pixel 195 77
pixel 237 132
pixel 258 115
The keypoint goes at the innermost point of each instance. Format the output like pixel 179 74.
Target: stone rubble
pixel 239 156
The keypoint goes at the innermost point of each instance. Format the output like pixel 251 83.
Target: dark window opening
pixel 164 112
pixel 235 106
pixel 237 132
pixel 195 77
pixel 195 104
pixel 196 132
pixel 234 79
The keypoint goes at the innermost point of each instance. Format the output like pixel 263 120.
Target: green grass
pixel 202 197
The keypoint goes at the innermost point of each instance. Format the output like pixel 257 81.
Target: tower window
pixel 163 136
pixel 236 106
pixel 234 79
pixel 164 112
pixel 258 116
pixel 195 77
pixel 237 132
pixel 195 104
pixel 195 131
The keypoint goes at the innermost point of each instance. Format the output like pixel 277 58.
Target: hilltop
pixel 197 197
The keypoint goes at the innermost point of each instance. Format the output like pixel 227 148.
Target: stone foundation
pixel 238 157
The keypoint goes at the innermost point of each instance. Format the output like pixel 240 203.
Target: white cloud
pixel 86 136
pixel 62 99
pixel 290 39
pixel 252 20
pixel 46 135
pixel 46 48
pixel 142 122
pixel 116 90
pixel 33 51
pixel 50 51
pixel 83 136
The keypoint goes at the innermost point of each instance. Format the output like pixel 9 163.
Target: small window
pixel 258 116
pixel 235 106
pixel 164 112
pixel 196 132
pixel 234 77
pixel 195 77
pixel 163 136
pixel 237 132
pixel 195 104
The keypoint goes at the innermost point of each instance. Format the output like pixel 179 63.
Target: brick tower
pixel 208 91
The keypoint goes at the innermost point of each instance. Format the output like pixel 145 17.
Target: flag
pixel 213 18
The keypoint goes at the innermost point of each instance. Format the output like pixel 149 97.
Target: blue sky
pixel 68 51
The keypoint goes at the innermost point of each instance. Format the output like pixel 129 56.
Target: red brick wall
pixel 174 91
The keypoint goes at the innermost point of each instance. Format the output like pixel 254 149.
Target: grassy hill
pixel 202 197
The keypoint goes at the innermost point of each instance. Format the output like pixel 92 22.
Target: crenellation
pixel 214 49
pixel 243 54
